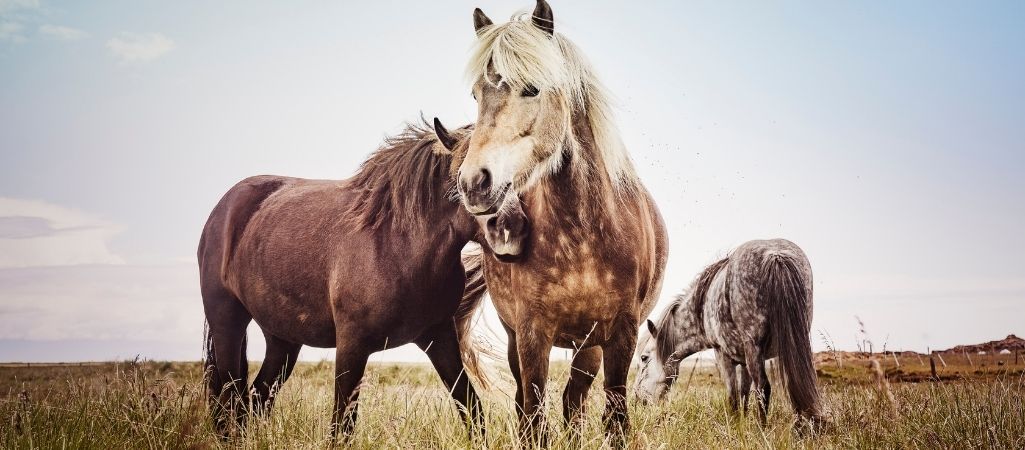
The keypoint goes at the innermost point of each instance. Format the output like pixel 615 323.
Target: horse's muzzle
pixel 507 232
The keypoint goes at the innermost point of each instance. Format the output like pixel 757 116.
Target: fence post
pixel 895 359
pixel 941 359
pixel 965 353
pixel 932 368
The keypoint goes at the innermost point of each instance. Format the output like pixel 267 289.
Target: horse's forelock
pixel 524 55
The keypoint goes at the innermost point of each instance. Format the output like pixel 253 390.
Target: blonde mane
pixel 524 55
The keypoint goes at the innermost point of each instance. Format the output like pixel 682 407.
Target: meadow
pixel 162 405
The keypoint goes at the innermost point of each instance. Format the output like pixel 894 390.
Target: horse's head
pixel 655 375
pixel 505 231
pixel 525 91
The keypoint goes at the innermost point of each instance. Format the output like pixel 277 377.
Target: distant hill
pixel 1010 343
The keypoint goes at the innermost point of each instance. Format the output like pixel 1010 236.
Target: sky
pixel 886 139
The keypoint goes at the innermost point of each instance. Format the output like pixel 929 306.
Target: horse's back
pixel 750 258
pixel 655 230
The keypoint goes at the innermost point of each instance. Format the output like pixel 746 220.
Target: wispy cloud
pixel 139 47
pixel 34 234
pixel 62 33
pixel 12 18
pixel 11 31
pixel 12 6
pixel 101 302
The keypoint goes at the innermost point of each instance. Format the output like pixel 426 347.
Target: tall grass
pixel 162 405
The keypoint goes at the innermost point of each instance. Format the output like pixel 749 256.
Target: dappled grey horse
pixel 753 305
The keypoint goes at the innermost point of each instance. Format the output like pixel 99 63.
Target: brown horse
pixel 361 265
pixel 596 246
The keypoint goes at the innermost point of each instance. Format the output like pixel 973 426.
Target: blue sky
pixel 885 139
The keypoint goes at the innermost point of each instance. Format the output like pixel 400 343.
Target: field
pixel 976 404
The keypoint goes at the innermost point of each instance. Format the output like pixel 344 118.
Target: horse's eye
pixel 530 91
pixel 644 358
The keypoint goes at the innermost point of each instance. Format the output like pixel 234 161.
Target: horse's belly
pixel 296 320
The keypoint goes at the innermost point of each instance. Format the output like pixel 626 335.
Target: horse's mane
pixel 669 328
pixel 399 183
pixel 525 55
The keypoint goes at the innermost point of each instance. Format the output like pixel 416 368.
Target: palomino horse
pixel 360 265
pixel 596 246
pixel 753 305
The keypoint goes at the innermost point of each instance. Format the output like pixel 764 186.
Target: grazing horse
pixel 596 245
pixel 362 264
pixel 753 305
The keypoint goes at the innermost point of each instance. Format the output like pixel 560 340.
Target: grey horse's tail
pixel 473 295
pixel 786 295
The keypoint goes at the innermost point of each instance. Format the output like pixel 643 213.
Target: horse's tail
pixel 786 295
pixel 473 296
pixel 210 375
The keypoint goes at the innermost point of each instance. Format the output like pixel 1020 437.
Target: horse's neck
pixel 691 326
pixel 446 229
pixel 451 223
pixel 582 186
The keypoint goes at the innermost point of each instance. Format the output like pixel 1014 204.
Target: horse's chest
pixel 579 299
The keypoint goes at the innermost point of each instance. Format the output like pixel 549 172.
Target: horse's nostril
pixel 484 180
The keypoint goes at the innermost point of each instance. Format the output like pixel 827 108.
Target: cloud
pixel 139 47
pixel 62 33
pixel 11 6
pixel 12 16
pixel 34 234
pixel 159 303
pixel 11 31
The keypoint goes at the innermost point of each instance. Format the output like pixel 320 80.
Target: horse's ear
pixel 480 20
pixel 444 137
pixel 542 17
pixel 651 327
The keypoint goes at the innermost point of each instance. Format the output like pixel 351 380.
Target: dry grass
pixel 159 405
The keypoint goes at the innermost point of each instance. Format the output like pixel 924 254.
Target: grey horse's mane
pixel 669 327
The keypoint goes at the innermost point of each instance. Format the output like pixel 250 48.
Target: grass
pixel 162 405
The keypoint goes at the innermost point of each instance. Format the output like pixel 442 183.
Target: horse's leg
pixel 350 363
pixel 442 348
pixel 514 367
pixel 277 367
pixel 533 345
pixel 744 384
pixel 756 370
pixel 228 320
pixel 618 353
pixel 728 371
pixel 582 371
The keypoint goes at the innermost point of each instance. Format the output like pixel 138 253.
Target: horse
pixel 595 250
pixel 361 264
pixel 750 306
